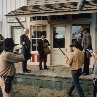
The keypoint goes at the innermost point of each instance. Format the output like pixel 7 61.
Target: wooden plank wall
pixel 5 7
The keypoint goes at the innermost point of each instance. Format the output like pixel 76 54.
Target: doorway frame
pixel 52 26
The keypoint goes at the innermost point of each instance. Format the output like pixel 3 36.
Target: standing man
pixel 87 44
pixel 76 61
pixel 25 42
pixel 42 44
pixel 7 67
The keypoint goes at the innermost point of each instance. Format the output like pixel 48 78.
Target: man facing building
pixel 76 61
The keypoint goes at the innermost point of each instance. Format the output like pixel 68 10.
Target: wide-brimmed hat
pixel 9 43
pixel 75 44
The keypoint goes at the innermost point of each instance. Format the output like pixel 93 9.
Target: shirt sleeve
pixel 70 59
pixel 11 57
pixel 48 43
pixel 22 39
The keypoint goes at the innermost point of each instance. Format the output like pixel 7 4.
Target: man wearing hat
pixel 87 44
pixel 42 44
pixel 7 67
pixel 76 62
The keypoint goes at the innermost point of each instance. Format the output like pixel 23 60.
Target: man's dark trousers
pixel 95 89
pixel 43 58
pixel 86 64
pixel 75 83
pixel 24 63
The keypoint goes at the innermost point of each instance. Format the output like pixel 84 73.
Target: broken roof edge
pixel 49 14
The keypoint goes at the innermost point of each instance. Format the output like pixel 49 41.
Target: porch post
pixel 93 31
pixel 68 37
pixel 49 39
pixel 20 23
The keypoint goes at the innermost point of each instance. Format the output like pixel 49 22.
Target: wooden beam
pixel 20 23
pixel 53 9
pixel 81 4
pixel 42 2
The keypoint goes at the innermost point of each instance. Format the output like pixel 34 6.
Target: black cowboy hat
pixel 9 43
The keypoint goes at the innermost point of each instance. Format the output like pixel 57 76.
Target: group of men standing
pixel 9 56
pixel 78 56
pixel 26 44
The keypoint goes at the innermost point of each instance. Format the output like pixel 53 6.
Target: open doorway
pixel 58 42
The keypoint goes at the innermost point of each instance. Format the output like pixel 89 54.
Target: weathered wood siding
pixel 5 7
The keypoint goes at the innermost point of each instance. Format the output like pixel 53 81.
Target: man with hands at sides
pixel 25 42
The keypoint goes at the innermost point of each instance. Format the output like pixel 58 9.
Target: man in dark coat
pixel 25 42
pixel 42 43
pixel 87 44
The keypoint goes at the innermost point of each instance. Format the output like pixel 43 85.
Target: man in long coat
pixel 87 44
pixel 25 42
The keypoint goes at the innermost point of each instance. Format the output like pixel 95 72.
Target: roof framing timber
pixel 42 2
pixel 53 9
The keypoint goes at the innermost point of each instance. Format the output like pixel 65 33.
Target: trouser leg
pixel 75 75
pixel 86 65
pixel 24 65
pixel 40 61
pixel 2 85
pixel 71 88
pixel 45 60
pixel 40 64
pixel 95 90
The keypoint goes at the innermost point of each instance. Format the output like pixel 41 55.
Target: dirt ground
pixel 31 91
pixel 21 90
